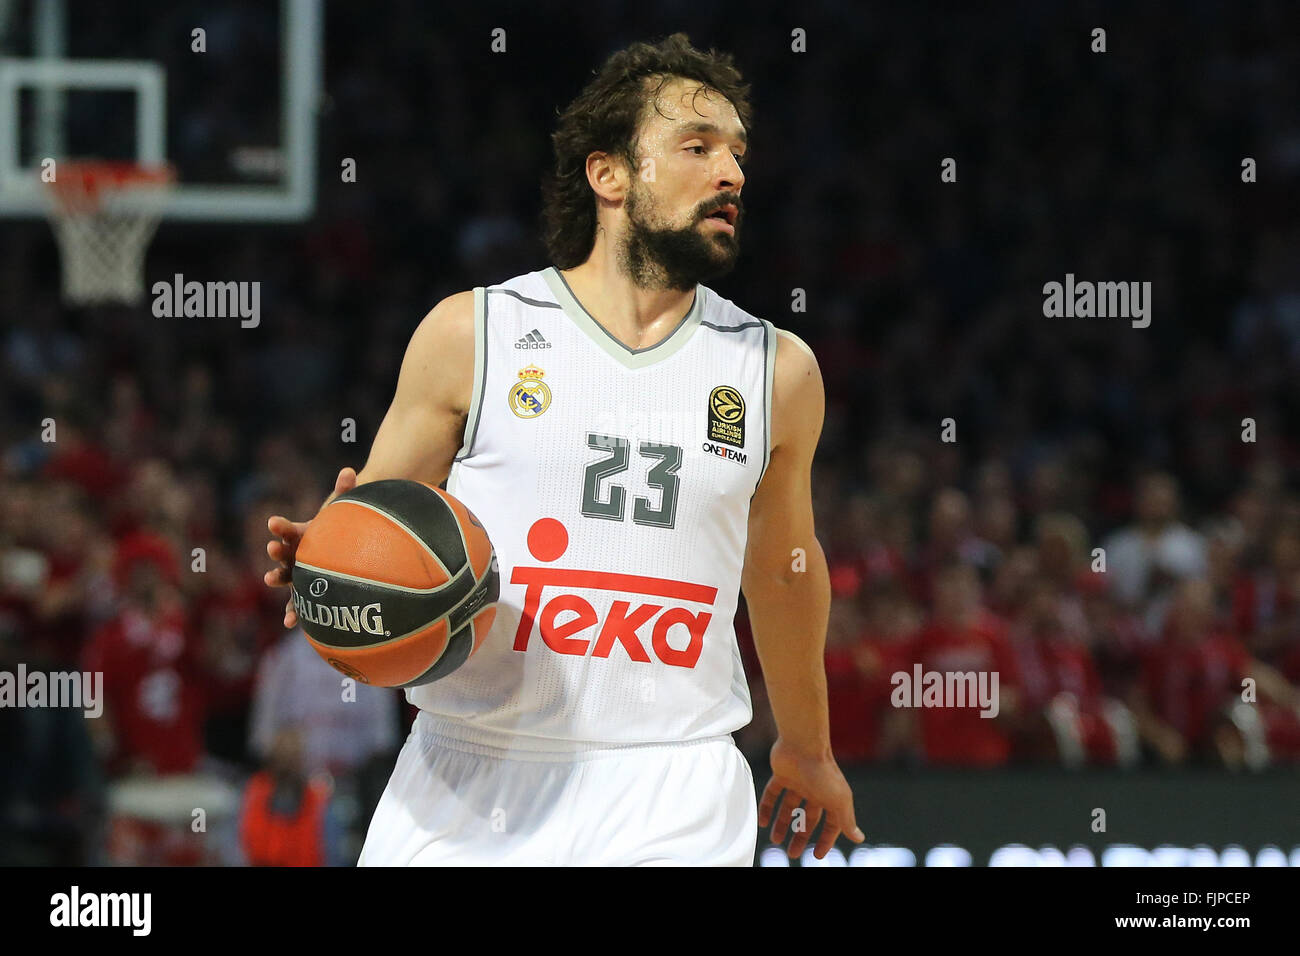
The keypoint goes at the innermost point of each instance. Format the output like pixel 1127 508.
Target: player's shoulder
pixel 447 329
pixel 725 315
pixel 794 352
pixel 438 366
pixel 796 369
pixel 798 395
pixel 456 311
pixel 720 314
pixel 451 323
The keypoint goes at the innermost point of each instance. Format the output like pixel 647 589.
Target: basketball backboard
pixel 232 108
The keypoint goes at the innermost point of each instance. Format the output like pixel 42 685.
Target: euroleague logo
pixel 726 423
pixel 727 404
pixel 547 541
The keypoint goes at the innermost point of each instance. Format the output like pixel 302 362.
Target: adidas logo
pixel 533 340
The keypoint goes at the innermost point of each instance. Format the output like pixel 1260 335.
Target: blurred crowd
pixel 134 542
pixel 1158 641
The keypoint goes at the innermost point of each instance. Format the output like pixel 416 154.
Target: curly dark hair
pixel 606 116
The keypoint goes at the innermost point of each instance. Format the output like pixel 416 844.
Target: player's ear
pixel 608 176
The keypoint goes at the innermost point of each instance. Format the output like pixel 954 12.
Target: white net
pixel 104 215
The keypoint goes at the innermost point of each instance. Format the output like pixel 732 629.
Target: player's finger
pixel 276 577
pixel 768 801
pixel 812 815
pixel 278 550
pixel 282 527
pixel 826 839
pixel 847 820
pixel 346 481
pixel 290 614
pixel 790 800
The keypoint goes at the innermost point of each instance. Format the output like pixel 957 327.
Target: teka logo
pixel 547 541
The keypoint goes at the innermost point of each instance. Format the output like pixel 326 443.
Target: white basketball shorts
pixel 458 802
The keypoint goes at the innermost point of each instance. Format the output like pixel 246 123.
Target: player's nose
pixel 730 177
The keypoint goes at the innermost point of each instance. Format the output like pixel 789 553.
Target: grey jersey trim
pixel 480 372
pixel 769 373
pixel 629 357
pixel 731 328
pixel 538 303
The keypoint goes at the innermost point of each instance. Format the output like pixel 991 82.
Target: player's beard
pixel 672 258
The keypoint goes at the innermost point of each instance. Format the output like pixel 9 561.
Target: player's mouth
pixel 724 218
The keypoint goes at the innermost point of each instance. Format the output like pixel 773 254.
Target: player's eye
pixel 701 148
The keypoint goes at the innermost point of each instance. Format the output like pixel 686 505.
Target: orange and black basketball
pixel 395 583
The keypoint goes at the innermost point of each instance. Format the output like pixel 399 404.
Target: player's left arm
pixel 787 587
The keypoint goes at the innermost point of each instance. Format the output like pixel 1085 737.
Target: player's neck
pixel 638 317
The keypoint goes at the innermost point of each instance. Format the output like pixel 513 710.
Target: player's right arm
pixel 421 431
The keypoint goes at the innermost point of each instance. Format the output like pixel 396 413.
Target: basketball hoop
pixel 104 214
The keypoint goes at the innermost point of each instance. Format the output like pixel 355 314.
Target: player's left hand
pixel 813 780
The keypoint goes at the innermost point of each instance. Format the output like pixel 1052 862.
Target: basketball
pixel 395 583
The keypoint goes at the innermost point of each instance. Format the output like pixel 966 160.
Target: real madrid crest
pixel 530 396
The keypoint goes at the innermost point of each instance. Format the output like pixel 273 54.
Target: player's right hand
pixel 284 545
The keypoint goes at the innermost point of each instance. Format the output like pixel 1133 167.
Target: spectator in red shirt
pixel 951 538
pixel 1264 601
pixel 862 655
pixel 80 460
pixel 1009 587
pixel 846 690
pixel 153 713
pixel 1119 638
pixel 70 601
pixel 867 542
pixel 1065 715
pixel 1190 701
pixel 963 637
pixel 237 620
pixel 887 647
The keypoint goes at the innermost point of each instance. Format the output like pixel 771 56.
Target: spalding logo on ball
pixel 395 583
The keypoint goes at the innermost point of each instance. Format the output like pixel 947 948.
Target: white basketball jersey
pixel 615 485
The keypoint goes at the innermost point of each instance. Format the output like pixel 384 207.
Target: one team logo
pixel 530 396
pixel 727 416
pixel 728 453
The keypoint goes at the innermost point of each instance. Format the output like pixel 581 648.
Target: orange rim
pixel 79 184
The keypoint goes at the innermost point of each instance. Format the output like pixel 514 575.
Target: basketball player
pixel 639 450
